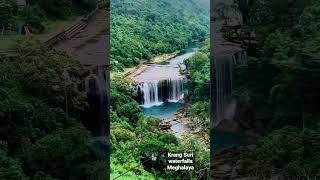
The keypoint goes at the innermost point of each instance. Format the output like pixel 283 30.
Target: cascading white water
pixel 150 92
pixel 156 92
pixel 162 83
pixel 175 89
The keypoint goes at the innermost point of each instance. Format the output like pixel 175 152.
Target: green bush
pixel 6 16
pixel 84 6
pixel 10 168
pixel 289 152
pixel 57 8
pixel 199 68
pixel 33 16
pixel 200 114
pixel 37 140
pixel 145 29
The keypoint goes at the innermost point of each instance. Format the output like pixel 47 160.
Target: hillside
pixel 142 29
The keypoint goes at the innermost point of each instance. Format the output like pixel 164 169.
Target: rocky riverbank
pixel 230 164
pixel 181 117
pixel 163 58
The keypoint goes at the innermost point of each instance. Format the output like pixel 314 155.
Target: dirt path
pixel 89 45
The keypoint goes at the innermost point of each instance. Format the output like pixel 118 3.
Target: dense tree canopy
pixel 285 77
pixel 137 145
pixel 198 66
pixel 6 15
pixel 142 29
pixel 289 55
pixel 198 87
pixel 37 140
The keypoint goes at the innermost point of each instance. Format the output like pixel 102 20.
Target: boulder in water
pixel 165 125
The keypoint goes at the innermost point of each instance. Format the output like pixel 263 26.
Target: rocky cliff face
pixel 230 164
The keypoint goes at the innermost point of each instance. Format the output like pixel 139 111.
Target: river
pixel 161 88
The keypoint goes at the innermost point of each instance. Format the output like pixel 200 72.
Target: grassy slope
pixel 52 27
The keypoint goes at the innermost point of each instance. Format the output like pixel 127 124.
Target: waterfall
pixel 155 92
pixel 150 93
pixel 176 90
pixel 223 82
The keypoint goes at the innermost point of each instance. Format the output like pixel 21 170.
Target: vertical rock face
pixel 225 105
pixel 161 83
pixel 97 88
pixel 155 92
pixel 224 55
pixel 223 76
pixel 229 164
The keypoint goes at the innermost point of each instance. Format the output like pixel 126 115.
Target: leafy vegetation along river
pixel 144 29
pixel 162 88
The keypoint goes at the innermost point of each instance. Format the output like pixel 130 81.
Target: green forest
pixel 38 12
pixel 42 138
pixel 198 87
pixel 142 29
pixel 135 138
pixel 283 76
pixel 39 139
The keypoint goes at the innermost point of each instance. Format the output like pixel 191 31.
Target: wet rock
pixel 230 165
pixel 251 147
pixel 229 126
pixel 225 168
pixel 238 169
pixel 241 148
